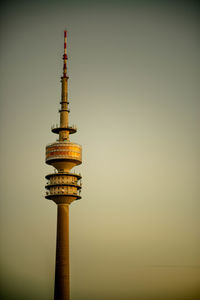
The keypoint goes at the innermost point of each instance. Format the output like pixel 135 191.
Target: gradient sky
pixel 133 93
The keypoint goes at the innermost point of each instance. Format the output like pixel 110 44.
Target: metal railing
pixel 58 126
pixel 62 193
pixel 65 183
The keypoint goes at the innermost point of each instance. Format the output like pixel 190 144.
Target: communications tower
pixel 63 186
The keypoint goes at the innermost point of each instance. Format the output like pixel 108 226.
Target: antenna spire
pixel 65 55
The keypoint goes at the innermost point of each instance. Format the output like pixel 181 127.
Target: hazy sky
pixel 133 92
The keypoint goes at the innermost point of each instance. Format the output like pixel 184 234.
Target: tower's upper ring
pixel 63 155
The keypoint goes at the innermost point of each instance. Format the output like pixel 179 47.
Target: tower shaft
pixel 63 134
pixel 62 285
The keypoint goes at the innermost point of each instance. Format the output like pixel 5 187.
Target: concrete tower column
pixel 64 105
pixel 62 291
pixel 64 95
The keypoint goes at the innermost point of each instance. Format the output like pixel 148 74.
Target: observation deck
pixel 56 129
pixel 63 187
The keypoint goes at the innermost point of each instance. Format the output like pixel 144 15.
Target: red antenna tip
pixel 65 33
